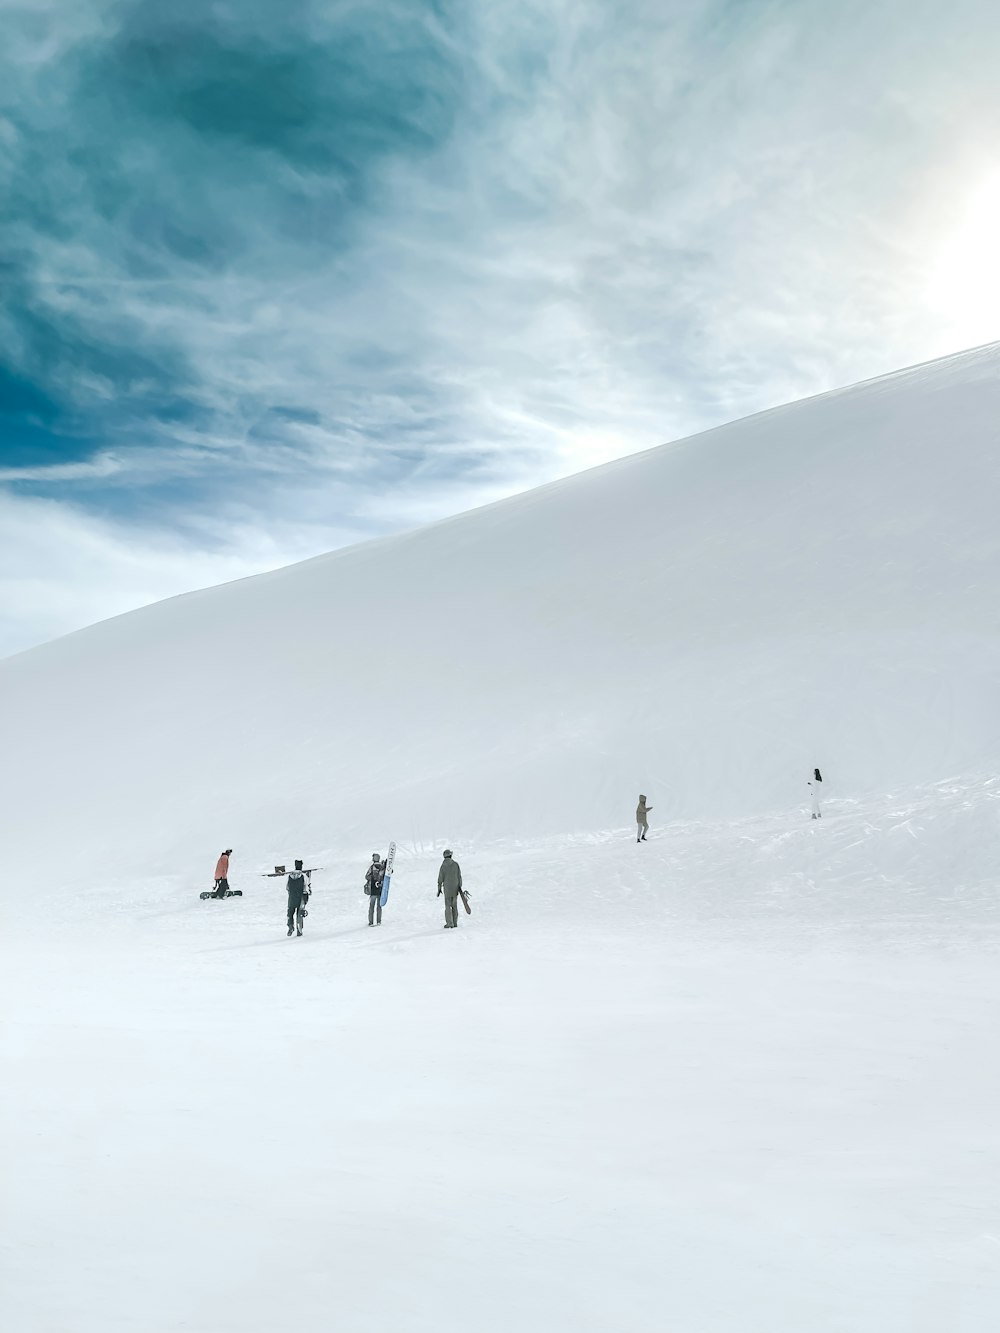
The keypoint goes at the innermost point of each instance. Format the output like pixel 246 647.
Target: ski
pixel 279 872
pixel 390 861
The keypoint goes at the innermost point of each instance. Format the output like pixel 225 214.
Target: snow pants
pixel 221 887
pixel 641 831
pixel 296 902
pixel 451 907
pixel 375 905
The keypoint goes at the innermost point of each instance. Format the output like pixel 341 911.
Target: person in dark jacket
pixel 449 883
pixel 373 887
pixel 298 896
pixel 222 873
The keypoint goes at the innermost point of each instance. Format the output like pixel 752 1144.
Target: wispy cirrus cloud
pixel 99 466
pixel 280 277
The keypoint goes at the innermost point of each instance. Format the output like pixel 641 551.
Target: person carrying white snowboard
pixel 449 883
pixel 815 785
pixel 641 822
pixel 373 887
pixel 298 896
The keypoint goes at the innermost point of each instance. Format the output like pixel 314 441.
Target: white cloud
pixel 645 221
pixel 99 466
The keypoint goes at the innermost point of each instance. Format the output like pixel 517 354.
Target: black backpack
pixel 374 876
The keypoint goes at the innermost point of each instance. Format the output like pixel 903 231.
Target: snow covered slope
pixel 702 622
pixel 736 1080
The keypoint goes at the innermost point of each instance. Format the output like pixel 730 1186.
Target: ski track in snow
pixel 737 1078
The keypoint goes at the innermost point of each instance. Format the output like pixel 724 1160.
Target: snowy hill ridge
pixel 702 622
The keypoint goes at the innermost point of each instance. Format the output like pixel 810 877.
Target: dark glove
pixel 439 893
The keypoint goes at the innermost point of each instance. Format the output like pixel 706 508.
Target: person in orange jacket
pixel 222 874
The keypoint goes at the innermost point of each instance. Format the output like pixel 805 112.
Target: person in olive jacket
pixel 641 822
pixel 449 883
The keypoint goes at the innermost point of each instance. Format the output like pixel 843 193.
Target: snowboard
pixel 465 900
pixel 230 893
pixel 390 861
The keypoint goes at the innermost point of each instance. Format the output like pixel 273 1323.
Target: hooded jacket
pixel 640 812
pixel 222 867
pixel 450 875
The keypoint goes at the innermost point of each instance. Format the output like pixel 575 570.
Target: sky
pixel 279 277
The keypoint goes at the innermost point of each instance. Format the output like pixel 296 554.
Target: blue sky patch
pixel 324 271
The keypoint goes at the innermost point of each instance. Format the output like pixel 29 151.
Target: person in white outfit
pixel 815 785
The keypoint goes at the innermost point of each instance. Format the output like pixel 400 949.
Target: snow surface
pixel 703 622
pixel 740 1078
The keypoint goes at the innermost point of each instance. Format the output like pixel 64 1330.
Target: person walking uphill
pixel 641 822
pixel 449 883
pixel 298 896
pixel 373 887
pixel 222 873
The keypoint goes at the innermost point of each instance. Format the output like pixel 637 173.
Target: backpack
pixel 297 880
pixel 374 876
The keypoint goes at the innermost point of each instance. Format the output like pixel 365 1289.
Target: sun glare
pixel 964 282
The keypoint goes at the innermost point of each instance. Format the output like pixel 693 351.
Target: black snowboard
pixel 230 893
